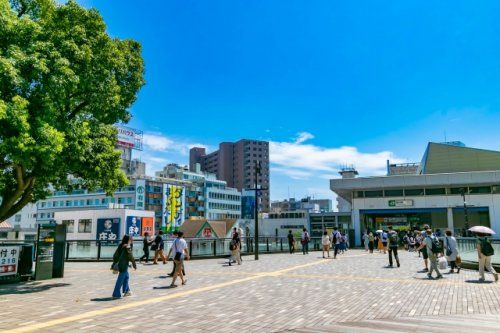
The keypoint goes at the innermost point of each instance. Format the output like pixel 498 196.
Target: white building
pixel 22 225
pixel 105 224
pixel 450 177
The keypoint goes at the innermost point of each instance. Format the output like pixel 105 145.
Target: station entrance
pixel 403 219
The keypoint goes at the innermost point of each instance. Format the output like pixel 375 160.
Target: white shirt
pixel 325 240
pixel 180 245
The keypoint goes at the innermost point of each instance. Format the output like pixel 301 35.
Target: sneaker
pixel 439 277
pixel 399 265
pixel 173 286
pixel 425 270
pixel 128 293
pixel 430 277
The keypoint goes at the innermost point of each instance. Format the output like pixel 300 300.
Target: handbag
pixel 458 261
pixel 114 268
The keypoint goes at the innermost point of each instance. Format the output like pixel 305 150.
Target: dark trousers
pixel 175 266
pixel 305 247
pixel 145 257
pixel 395 250
pixel 370 246
pixel 291 247
pixel 336 251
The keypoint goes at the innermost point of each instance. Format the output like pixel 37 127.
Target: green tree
pixel 64 82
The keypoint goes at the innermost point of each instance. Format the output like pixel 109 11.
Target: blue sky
pixel 327 82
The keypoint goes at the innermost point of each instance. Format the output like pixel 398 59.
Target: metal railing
pixel 93 250
pixel 468 252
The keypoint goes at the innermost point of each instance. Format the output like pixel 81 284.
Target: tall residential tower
pixel 234 163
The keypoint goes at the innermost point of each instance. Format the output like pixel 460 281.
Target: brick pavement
pixel 280 292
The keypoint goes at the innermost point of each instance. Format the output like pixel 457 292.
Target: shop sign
pixel 108 230
pixel 140 194
pixel 9 257
pixel 401 203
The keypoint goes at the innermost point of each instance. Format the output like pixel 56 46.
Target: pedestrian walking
pixel 393 243
pixel 366 241
pixel 451 251
pixel 434 248
pixel 384 238
pixel 181 253
pixel 325 241
pixel 380 246
pixel 234 247
pixel 425 253
pixel 146 243
pixel 371 242
pixel 171 254
pixel 336 237
pixel 121 259
pixel 484 252
pixel 159 248
pixel 304 239
pixel 291 242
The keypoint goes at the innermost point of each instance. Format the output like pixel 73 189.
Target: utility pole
pixel 256 211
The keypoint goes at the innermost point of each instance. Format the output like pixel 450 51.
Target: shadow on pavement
pixel 30 287
pixel 478 282
pixel 103 299
pixel 164 287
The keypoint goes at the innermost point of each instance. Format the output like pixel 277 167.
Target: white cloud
pixel 157 142
pixel 301 159
pixel 303 136
pixel 292 173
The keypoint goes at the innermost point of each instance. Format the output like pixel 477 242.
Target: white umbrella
pixel 379 231
pixel 482 230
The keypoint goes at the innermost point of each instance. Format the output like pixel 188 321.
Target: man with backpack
pixel 393 246
pixel 304 239
pixel 484 252
pixel 434 248
pixel 336 237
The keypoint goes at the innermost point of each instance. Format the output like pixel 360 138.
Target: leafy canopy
pixel 64 82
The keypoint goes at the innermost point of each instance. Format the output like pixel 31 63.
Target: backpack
pixel 334 237
pixel 436 246
pixel 232 245
pixel 486 248
pixel 393 239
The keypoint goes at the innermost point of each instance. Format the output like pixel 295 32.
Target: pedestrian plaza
pixel 278 293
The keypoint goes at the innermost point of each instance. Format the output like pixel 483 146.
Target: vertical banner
pixel 108 230
pixel 140 194
pixel 134 226
pixel 247 204
pixel 174 203
pixel 9 258
pixel 148 225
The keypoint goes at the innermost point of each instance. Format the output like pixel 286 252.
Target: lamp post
pixel 256 208
pixel 466 216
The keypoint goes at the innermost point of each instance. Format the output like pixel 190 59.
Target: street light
pixel 466 216
pixel 256 209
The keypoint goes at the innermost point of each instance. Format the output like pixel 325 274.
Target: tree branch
pixel 77 109
pixel 26 198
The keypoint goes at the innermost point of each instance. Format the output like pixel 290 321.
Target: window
pixel 414 191
pixel 359 194
pixel 85 226
pixel 458 190
pixel 393 193
pixel 374 194
pixel 435 191
pixel 17 218
pixel 70 225
pixel 480 190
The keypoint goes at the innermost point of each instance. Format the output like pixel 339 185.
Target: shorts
pixel 424 253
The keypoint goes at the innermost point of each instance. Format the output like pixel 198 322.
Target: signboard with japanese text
pixel 9 258
pixel 140 194
pixel 45 251
pixel 129 137
pixel 401 203
pixel 133 226
pixel 148 225
pixel 108 230
pixel 174 206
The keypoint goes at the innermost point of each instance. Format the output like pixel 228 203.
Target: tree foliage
pixel 64 82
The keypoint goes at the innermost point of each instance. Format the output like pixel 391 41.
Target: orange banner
pixel 148 225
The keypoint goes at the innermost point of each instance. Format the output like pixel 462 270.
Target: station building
pixel 453 187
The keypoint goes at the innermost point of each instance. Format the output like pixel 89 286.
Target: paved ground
pixel 279 293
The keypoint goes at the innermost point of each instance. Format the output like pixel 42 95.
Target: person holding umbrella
pixel 484 251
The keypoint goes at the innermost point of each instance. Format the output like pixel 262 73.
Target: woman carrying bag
pixel 451 251
pixel 121 259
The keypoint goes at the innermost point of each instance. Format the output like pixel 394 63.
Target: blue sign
pixel 108 230
pixel 133 226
